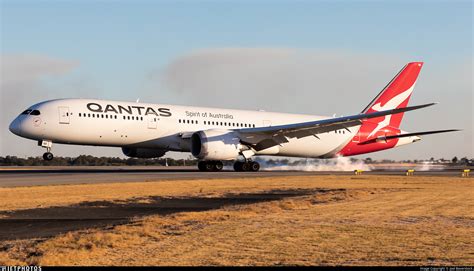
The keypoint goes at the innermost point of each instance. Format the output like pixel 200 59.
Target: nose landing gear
pixel 48 156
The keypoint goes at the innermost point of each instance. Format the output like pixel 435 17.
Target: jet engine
pixel 143 152
pixel 215 145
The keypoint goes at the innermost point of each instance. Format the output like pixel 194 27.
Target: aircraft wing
pixel 265 137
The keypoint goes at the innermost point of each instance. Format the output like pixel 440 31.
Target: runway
pixel 34 176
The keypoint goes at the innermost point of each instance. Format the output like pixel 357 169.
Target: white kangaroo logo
pixel 392 104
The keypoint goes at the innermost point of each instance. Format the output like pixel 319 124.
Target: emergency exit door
pixel 64 114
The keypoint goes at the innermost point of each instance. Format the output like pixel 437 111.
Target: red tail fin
pixel 396 94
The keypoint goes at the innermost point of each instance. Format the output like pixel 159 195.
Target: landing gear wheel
pixel 254 166
pixel 246 166
pixel 48 156
pixel 209 166
pixel 238 166
pixel 218 165
pixel 202 165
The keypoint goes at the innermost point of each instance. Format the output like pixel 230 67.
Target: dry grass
pixel 371 220
pixel 62 195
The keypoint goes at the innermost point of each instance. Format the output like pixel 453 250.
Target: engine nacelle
pixel 143 152
pixel 215 145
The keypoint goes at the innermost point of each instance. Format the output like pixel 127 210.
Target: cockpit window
pixel 31 112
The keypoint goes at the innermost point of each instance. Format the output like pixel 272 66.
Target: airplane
pixel 214 135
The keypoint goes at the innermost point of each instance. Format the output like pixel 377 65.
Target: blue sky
pixel 129 38
pixel 120 45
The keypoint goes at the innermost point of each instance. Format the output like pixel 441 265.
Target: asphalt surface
pixel 33 176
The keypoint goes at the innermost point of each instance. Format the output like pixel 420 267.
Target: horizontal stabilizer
pixel 385 138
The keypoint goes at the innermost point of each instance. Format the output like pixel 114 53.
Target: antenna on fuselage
pixel 138 100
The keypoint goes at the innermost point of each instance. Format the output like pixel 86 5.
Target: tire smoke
pixel 335 164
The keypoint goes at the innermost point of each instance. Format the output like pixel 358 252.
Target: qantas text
pixel 119 109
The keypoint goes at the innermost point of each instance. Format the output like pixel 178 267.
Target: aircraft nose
pixel 15 127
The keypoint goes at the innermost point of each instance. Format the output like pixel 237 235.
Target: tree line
pixel 89 160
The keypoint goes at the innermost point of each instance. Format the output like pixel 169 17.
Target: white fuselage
pixel 125 124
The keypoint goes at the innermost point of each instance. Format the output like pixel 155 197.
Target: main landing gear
pixel 210 165
pixel 48 156
pixel 238 166
pixel 246 166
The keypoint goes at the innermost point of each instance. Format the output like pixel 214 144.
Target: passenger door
pixel 63 114
pixel 152 122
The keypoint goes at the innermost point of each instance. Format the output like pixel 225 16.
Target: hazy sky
pixel 302 57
